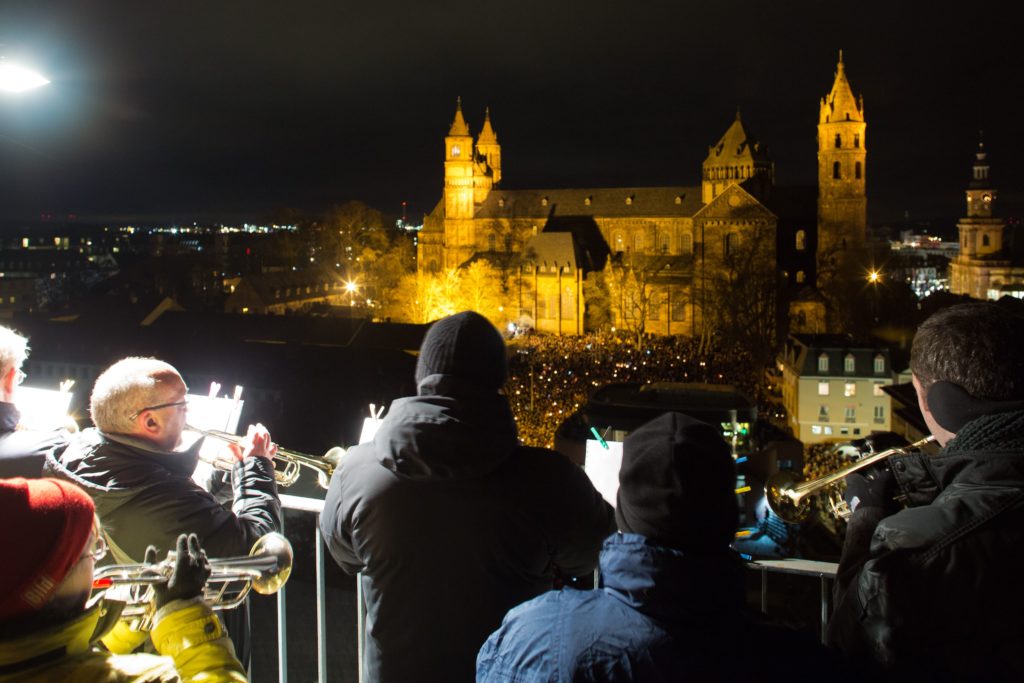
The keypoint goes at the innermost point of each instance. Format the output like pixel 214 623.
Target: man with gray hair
pixel 132 465
pixel 22 451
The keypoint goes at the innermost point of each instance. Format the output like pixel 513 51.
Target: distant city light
pixel 874 276
pixel 14 78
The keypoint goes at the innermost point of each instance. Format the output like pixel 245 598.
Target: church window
pixel 856 140
pixel 801 318
pixel 800 278
pixel 663 242
pixel 586 200
pixel 730 243
pixel 638 243
pixel 654 307
pixel 491 242
pixel 835 169
pixel 801 240
pixel 839 140
pixel 629 200
pixel 857 171
pixel 679 199
pixel 501 201
pixel 984 240
pixel 686 243
pixel 619 241
pixel 543 201
pixel 678 309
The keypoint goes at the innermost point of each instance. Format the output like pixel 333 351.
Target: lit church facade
pixel 672 244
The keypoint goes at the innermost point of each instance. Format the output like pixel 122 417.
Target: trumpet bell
pixel 277 546
pixel 778 492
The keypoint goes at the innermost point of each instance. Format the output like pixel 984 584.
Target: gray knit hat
pixel 467 346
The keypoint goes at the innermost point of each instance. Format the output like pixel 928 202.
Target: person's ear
pixel 9 381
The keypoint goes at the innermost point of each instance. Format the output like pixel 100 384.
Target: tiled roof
pixel 611 202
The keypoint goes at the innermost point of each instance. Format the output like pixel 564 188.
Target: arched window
pixel 618 241
pixel 730 243
pixel 686 243
pixel 839 140
pixel 849 363
pixel 800 278
pixel 638 243
pixel 856 140
pixel 984 240
pixel 663 242
pixel 835 169
pixel 801 240
pixel 857 171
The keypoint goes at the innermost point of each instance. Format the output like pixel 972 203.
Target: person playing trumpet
pixel 132 465
pixel 933 591
pixel 50 629
pixel 22 451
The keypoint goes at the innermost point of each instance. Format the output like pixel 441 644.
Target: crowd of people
pixel 468 542
pixel 551 377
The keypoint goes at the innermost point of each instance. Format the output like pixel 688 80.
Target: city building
pixel 286 291
pixel 664 251
pixel 991 260
pixel 833 389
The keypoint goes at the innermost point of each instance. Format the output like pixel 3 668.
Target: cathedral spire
pixel 840 104
pixel 459 126
pixel 487 134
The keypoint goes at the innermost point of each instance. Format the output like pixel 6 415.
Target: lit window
pixel 801 240
pixel 815 429
pixel 822 388
pixel 877 389
pixel 879 364
pixel 800 277
pixel 828 431
pixel 850 389
pixel 823 363
pixel 849 363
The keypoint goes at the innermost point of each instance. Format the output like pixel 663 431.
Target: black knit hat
pixel 677 485
pixel 467 346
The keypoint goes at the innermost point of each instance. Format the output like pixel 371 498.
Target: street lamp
pixel 15 78
pixel 874 277
pixel 351 287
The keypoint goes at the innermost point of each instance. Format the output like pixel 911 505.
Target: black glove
pixel 872 487
pixel 188 578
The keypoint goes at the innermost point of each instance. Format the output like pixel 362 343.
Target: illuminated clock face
pixel 456 150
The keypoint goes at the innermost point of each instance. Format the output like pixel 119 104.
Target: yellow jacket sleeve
pixel 190 633
pixel 123 640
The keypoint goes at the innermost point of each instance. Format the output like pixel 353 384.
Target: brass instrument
pixel 789 498
pixel 292 461
pixel 265 570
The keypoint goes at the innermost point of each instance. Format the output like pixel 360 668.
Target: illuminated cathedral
pixel 674 242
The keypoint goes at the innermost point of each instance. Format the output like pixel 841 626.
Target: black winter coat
pixel 23 451
pixel 935 592
pixel 452 523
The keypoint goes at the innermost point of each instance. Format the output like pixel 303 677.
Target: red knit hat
pixel 45 526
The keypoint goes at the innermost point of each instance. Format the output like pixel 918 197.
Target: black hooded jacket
pixel 452 523
pixel 23 451
pixel 934 592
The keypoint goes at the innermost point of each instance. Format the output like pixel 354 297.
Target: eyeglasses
pixel 175 404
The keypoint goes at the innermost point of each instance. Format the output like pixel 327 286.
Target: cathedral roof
pixel 604 202
pixel 487 134
pixel 459 126
pixel 736 147
pixel 840 104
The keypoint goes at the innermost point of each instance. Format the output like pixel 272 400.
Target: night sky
pixel 227 110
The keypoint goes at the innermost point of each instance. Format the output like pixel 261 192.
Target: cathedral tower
pixel 737 158
pixel 488 151
pixel 984 263
pixel 842 172
pixel 458 168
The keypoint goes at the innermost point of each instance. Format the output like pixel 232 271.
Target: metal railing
pixel 825 572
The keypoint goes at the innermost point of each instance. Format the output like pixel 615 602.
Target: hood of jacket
pixel 46 646
pixel 665 583
pixel 449 430
pixel 116 464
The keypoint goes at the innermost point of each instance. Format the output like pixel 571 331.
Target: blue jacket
pixel 659 615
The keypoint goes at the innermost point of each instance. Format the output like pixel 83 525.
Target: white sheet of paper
pixel 602 466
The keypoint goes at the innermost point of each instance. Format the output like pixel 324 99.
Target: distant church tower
pixel 458 192
pixel 487 172
pixel 736 159
pixel 842 171
pixel 985 265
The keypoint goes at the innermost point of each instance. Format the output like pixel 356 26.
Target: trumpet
pixel 292 461
pixel 790 498
pixel 265 570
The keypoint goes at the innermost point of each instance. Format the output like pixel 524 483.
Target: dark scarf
pixel 998 432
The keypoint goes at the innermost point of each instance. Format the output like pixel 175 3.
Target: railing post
pixel 360 624
pixel 824 609
pixel 282 630
pixel 321 606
